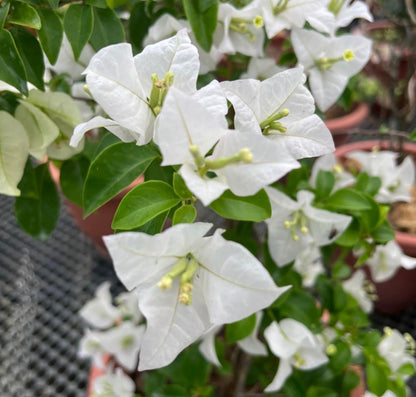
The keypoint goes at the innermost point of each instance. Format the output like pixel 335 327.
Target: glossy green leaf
pixel 240 329
pixel 112 170
pixel 143 203
pixel 368 184
pixel 116 3
pixel 350 236
pixel 78 25
pixel 72 177
pixel 248 208
pixel 383 234
pixel 202 15
pixel 37 209
pixel 12 70
pixel 14 150
pixel 325 182
pixel 139 24
pixel 31 54
pixel 318 391
pixel 107 30
pixel 341 271
pixel 348 199
pixel 53 3
pixel 376 379
pixel 24 14
pixel 97 3
pixel 180 187
pixel 155 225
pixel 184 214
pixel 406 369
pixel 4 11
pixel 51 33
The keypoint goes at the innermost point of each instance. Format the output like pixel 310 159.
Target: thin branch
pixel 411 11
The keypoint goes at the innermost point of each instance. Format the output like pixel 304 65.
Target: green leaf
pixel 24 14
pixel 37 209
pixel 157 172
pixel 348 199
pixel 248 208
pixel 341 271
pixel 14 150
pixel 72 177
pixel 240 329
pixel 407 369
pixel 325 182
pixel 368 184
pixel 108 28
pixel 412 136
pixel 180 187
pixel 12 70
pixel 350 381
pixel 108 139
pixel 341 358
pixel 318 391
pixel 376 378
pixel 383 234
pixel 97 3
pixel 143 203
pixel 53 3
pixel 202 16
pixel 184 214
pixel 51 33
pixel 116 3
pixel 112 170
pixel 154 226
pixel 139 24
pixel 3 14
pixel 31 54
pixel 78 24
pixel 350 236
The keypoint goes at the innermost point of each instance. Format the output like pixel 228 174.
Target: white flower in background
pixel 328 162
pixel 294 225
pixel 296 346
pixel 308 264
pixel 396 180
pixel 239 30
pixel 100 311
pixel 90 346
pixel 329 62
pixel 282 109
pixel 116 384
pixel 128 306
pixel 288 14
pixel 361 290
pixel 345 11
pixel 124 343
pixel 166 26
pixel 261 69
pixel 397 349
pixel 131 89
pixel 66 62
pixel 387 260
pixel 186 283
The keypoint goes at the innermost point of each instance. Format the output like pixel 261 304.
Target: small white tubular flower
pixel 263 167
pixel 397 349
pixel 207 346
pixel 239 30
pixel 261 69
pixel 251 344
pixel 288 14
pixel 387 260
pixel 396 180
pixel 328 162
pixel 294 225
pixel 138 85
pixel 329 62
pixel 308 264
pixel 345 11
pixel 116 384
pixel 359 289
pixel 124 343
pixel 186 283
pixel 100 312
pixel 167 25
pixel 296 346
pixel 282 109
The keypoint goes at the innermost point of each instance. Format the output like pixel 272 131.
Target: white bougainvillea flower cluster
pixel 119 332
pixel 114 384
pixel 387 260
pixel 261 69
pixel 361 290
pixel 308 263
pixel 186 284
pixel 296 346
pixel 396 180
pixel 294 225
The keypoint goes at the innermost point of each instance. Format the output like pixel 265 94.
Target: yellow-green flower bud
pixel 348 55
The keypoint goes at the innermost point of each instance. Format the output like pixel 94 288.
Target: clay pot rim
pixel 401 237
pixel 350 120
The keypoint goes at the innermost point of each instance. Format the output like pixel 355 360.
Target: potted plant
pixel 225 307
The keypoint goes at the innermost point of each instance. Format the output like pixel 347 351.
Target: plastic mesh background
pixel 42 287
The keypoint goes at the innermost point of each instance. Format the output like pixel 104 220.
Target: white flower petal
pixel 207 346
pixel 283 372
pixel 251 344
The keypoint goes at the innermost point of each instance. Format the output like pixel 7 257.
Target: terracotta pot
pixel 341 126
pixel 98 224
pixel 397 293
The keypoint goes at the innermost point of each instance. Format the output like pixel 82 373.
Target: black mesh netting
pixel 42 287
